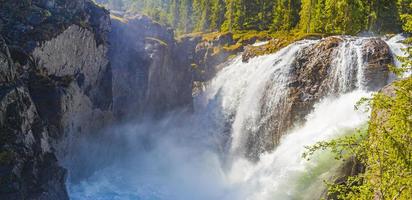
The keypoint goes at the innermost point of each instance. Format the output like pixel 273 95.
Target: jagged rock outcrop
pixel 209 52
pixel 314 74
pixel 28 166
pixel 151 73
pixel 55 83
pixel 26 23
pixel 79 70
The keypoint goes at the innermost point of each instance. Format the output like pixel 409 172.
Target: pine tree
pixel 218 14
pixel 185 24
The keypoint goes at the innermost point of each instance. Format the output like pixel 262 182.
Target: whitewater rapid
pixel 183 157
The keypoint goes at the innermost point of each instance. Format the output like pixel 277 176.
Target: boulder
pixel 311 79
pixel 377 55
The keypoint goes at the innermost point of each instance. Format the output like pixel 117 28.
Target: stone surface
pixel 310 80
pixel 65 71
pixel 55 83
pixel 26 23
pixel 28 166
pixel 151 74
pixel 376 52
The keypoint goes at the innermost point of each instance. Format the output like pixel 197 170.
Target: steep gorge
pixel 231 146
pixel 58 84
pixel 76 86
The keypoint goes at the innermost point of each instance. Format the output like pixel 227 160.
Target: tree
pixel 218 15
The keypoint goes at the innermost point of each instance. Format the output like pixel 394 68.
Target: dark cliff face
pixel 28 166
pixel 55 83
pixel 58 81
pixel 151 74
pixel 26 23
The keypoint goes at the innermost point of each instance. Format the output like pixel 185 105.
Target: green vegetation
pixel 386 148
pixel 282 40
pixel 308 16
pixel 161 42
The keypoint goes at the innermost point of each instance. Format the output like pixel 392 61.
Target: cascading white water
pixel 347 65
pixel 397 49
pixel 276 175
pixel 241 87
pixel 180 160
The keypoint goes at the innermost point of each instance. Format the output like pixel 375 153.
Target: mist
pixel 192 156
pixel 174 158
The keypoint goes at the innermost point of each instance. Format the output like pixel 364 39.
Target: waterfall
pixel 397 47
pixel 347 72
pixel 277 174
pixel 202 156
pixel 240 87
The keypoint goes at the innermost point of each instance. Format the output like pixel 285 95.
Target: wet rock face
pixel 313 76
pixel 376 73
pixel 151 74
pixel 311 79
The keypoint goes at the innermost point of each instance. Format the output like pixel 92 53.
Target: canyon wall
pixel 54 85
pixel 58 81
pixel 151 71
pixel 67 69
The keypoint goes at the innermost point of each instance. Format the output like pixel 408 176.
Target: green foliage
pixel 386 148
pixel 342 148
pixel 385 151
pixel 334 16
pixel 309 16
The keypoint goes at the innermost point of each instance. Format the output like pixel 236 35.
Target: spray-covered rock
pixel 151 74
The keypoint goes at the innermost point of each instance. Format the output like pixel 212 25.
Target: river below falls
pixel 197 157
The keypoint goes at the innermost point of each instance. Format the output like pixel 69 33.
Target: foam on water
pixel 182 158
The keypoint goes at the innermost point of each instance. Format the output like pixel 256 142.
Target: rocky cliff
pixel 64 73
pixel 67 69
pixel 56 82
pixel 151 71
pixel 28 165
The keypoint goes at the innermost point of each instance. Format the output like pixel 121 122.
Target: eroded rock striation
pixel 28 166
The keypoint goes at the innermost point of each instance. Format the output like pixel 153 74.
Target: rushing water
pixel 397 48
pixel 200 156
pixel 347 71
